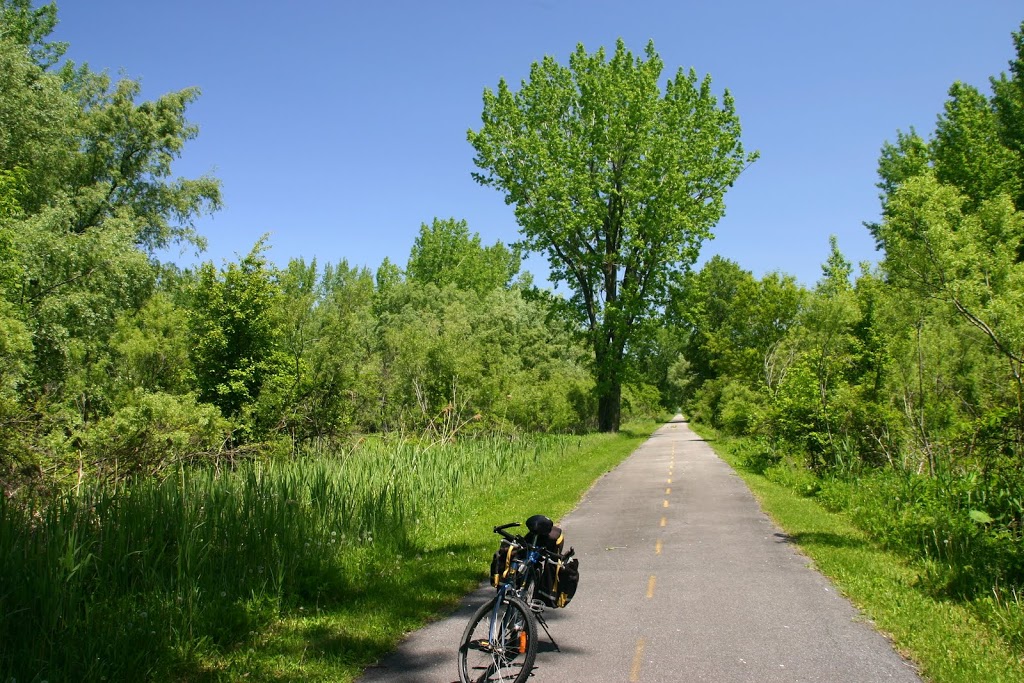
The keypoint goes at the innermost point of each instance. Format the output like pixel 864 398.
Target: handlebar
pixel 520 540
pixel 501 530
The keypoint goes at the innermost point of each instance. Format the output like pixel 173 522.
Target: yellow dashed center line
pixel 663 521
pixel 665 504
pixel 668 491
pixel 657 547
pixel 638 659
pixel 669 480
pixel 650 586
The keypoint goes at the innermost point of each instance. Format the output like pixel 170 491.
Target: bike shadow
pixel 546 647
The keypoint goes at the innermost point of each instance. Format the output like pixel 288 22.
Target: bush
pixel 727 404
pixel 739 409
pixel 153 431
pixel 558 402
pixel 793 475
pixel 704 406
pixel 755 455
pixel 640 401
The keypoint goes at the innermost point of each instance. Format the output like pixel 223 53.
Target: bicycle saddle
pixel 540 525
pixel 546 533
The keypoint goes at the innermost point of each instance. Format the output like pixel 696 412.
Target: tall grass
pixel 130 582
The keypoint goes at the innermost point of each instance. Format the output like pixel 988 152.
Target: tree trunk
pixel 609 391
pixel 609 408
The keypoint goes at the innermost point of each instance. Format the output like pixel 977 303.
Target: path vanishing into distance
pixel 682 578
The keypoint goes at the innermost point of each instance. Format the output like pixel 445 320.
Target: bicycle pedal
pixel 537 606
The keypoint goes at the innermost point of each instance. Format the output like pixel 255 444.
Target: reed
pixel 135 580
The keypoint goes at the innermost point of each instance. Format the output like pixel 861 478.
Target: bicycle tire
pixel 509 661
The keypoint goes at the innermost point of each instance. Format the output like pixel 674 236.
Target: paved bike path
pixel 682 578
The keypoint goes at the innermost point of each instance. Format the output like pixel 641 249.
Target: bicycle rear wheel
pixel 509 657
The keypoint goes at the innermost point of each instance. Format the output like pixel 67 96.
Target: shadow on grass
pixel 351 630
pixel 816 538
pixel 636 432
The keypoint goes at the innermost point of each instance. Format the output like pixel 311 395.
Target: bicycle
pixel 500 640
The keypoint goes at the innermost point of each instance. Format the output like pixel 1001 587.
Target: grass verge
pixel 943 637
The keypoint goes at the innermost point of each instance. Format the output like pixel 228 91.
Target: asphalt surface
pixel 682 578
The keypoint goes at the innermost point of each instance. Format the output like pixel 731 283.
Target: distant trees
pixel 616 182
pixel 918 363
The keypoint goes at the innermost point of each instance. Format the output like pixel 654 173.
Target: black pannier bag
pixel 501 562
pixel 557 584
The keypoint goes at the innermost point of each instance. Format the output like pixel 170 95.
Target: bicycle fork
pixel 497 635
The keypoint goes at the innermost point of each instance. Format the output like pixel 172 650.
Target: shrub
pixel 155 430
pixel 704 405
pixel 739 408
pixel 640 400
pixel 792 474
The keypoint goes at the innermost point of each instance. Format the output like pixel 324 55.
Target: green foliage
pixel 733 321
pixel 444 350
pixel 641 401
pixel 967 151
pixel 739 408
pixel 38 112
pixel 940 249
pixel 150 348
pixel 726 404
pixel 87 193
pixel 23 25
pixel 234 331
pixel 445 254
pixel 977 145
pixel 328 383
pixel 152 432
pixel 679 381
pixel 617 183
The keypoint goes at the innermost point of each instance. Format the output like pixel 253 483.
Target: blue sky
pixel 340 127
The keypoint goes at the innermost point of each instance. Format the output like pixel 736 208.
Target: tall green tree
pixel 96 195
pixel 617 182
pixel 977 146
pixel 953 244
pixel 1008 103
pixel 968 152
pixel 732 321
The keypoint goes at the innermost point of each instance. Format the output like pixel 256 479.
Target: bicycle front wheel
pixel 499 644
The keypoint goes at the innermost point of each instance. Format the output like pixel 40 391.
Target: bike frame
pixel 525 568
